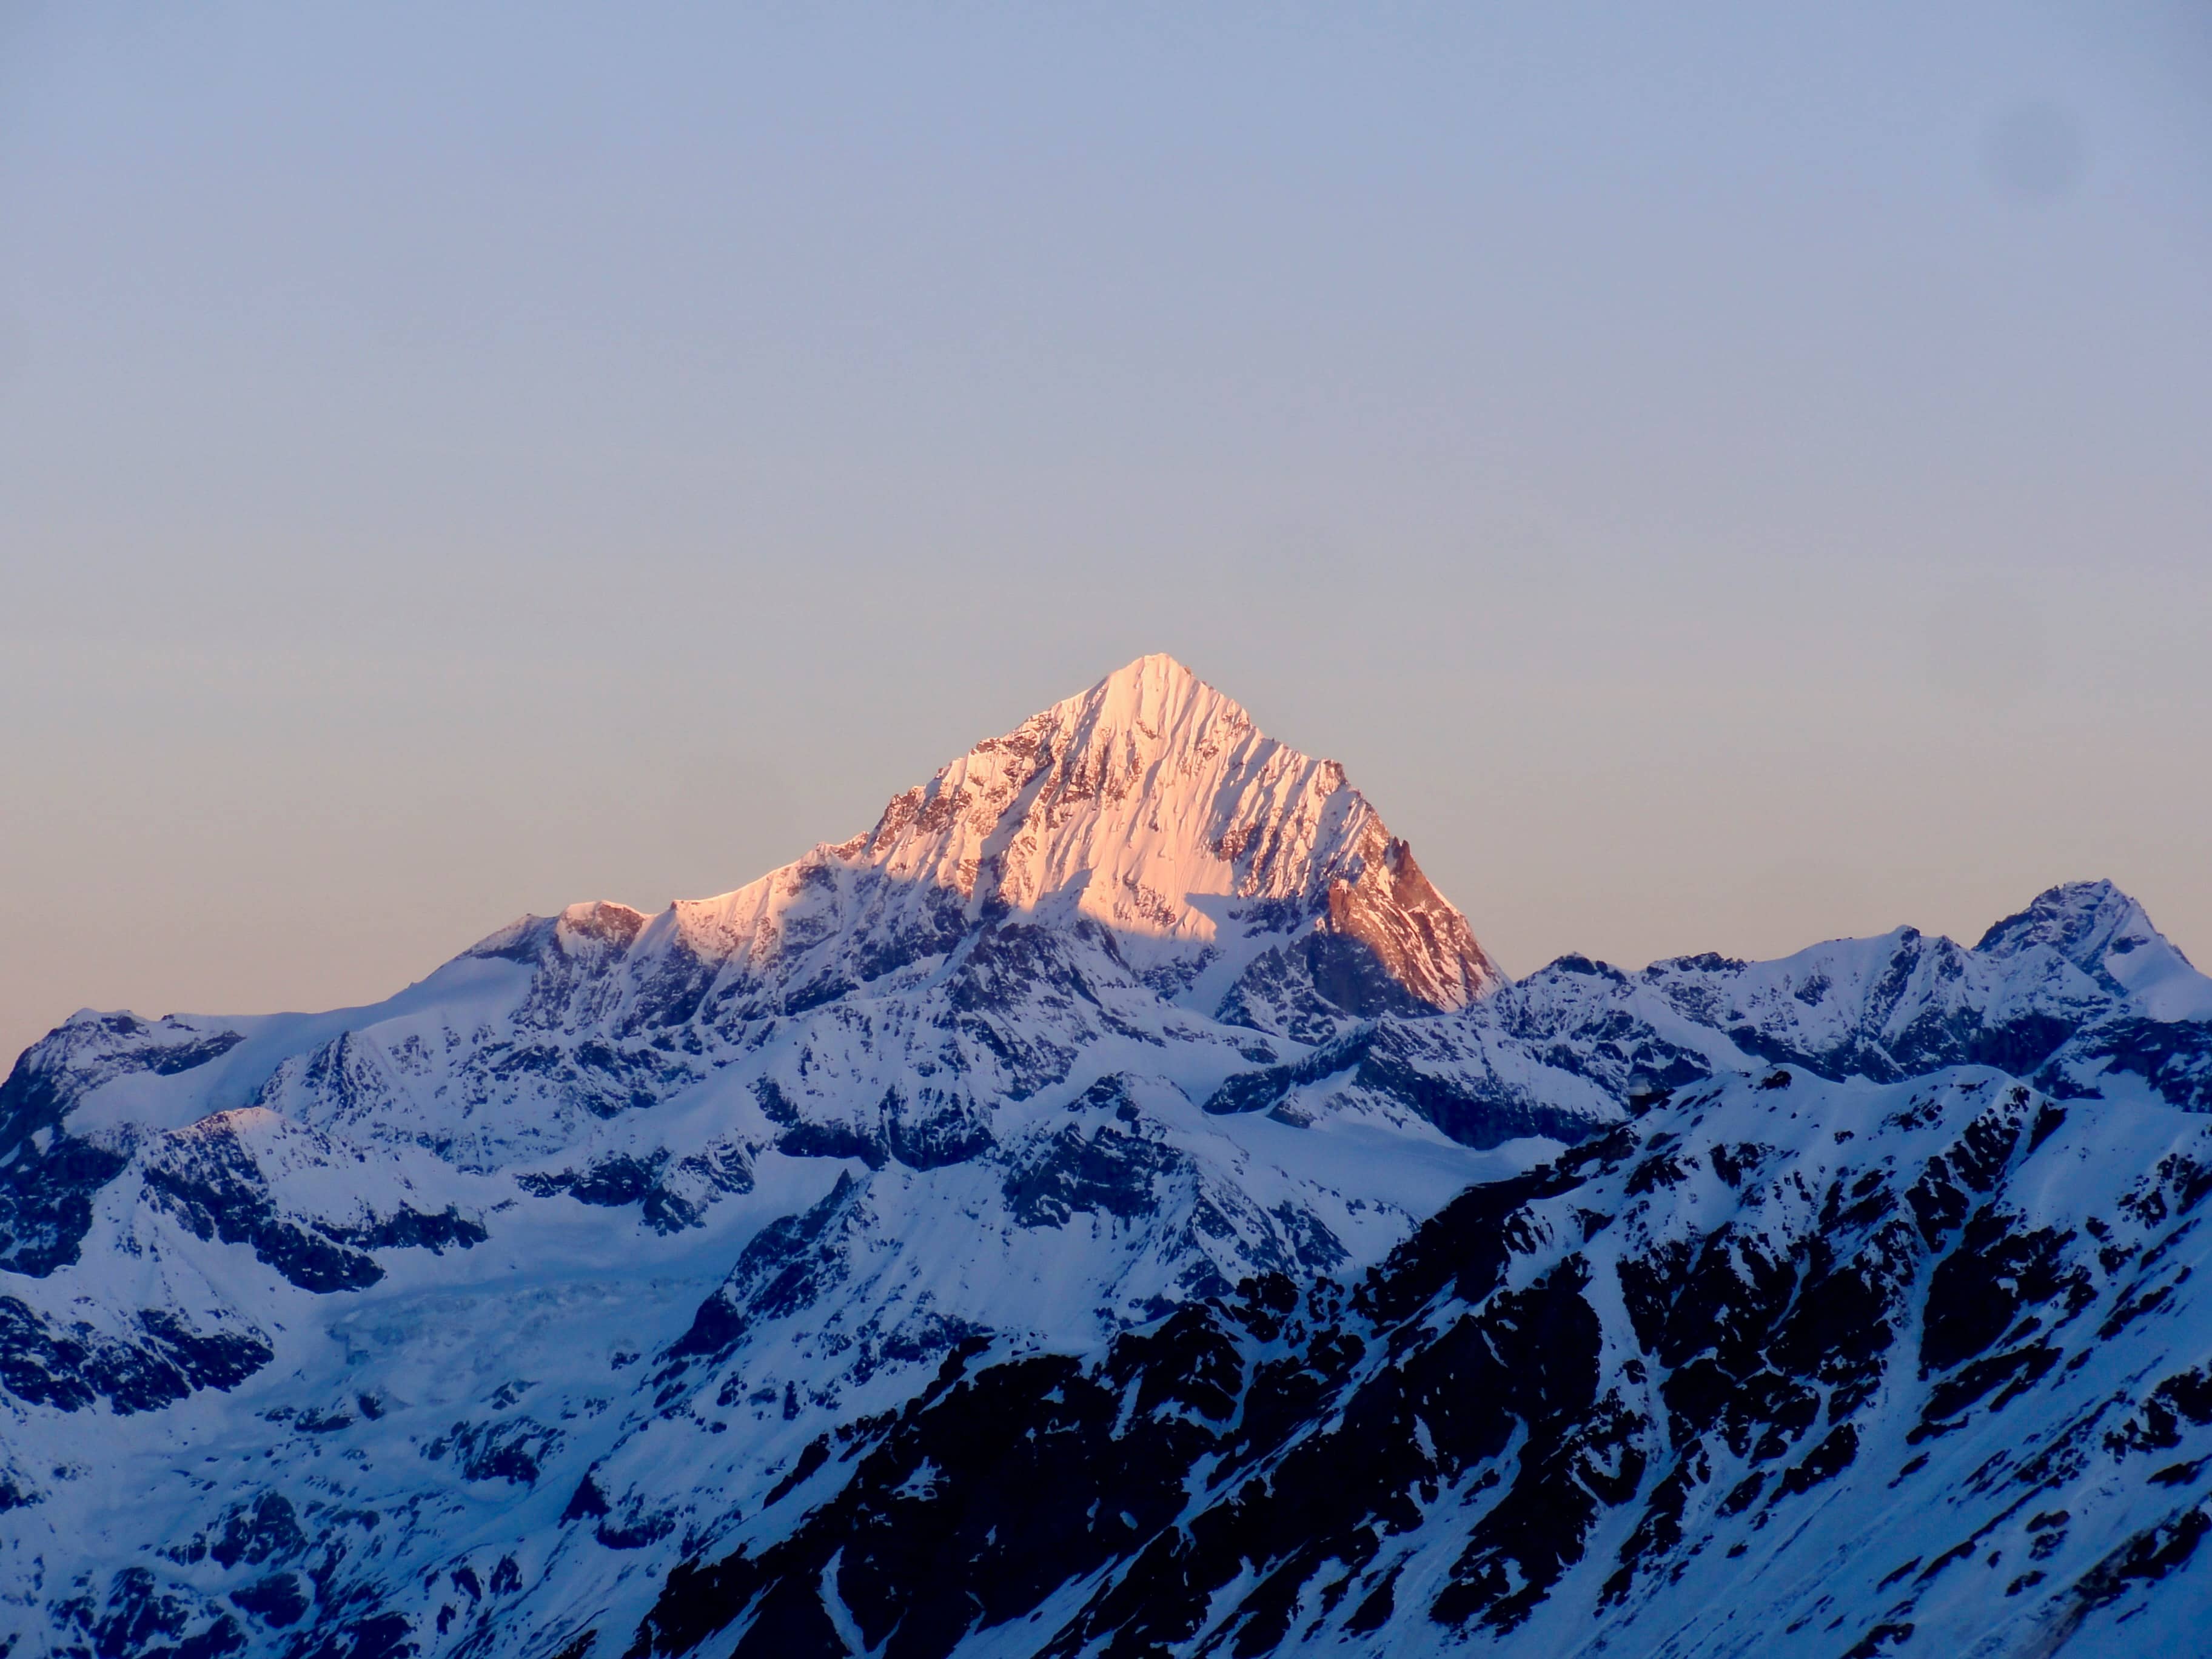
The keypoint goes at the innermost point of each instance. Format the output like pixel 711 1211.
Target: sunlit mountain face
pixel 1116 1205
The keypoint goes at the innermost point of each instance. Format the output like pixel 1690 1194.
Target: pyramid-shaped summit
pixel 1234 874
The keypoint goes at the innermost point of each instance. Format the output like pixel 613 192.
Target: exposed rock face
pixel 1420 944
pixel 978 1236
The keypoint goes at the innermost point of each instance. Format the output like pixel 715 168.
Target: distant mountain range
pixel 1116 1207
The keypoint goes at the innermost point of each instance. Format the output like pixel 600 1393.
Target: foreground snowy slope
pixel 1787 1365
pixel 585 1287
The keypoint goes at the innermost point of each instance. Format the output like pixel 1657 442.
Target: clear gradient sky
pixel 1718 476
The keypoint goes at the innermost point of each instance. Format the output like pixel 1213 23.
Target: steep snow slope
pixel 495 1315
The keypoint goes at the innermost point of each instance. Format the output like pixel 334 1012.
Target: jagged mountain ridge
pixel 559 1263
pixel 1150 805
pixel 2079 992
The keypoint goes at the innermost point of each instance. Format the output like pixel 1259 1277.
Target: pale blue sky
pixel 1717 476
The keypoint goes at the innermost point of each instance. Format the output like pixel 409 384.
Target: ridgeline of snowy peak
pixel 1151 807
pixel 1115 1207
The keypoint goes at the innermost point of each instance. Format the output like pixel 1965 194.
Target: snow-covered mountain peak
pixel 1155 700
pixel 1150 805
pixel 2078 919
pixel 593 926
pixel 2109 936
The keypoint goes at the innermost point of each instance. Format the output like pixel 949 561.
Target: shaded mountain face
pixel 663 1279
pixel 1787 1365
pixel 2079 993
